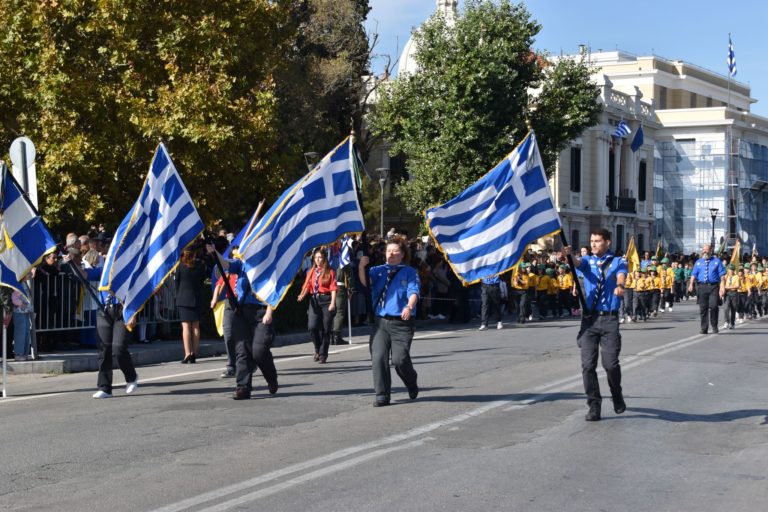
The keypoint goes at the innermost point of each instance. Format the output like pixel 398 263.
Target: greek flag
pixel 345 255
pixel 314 211
pixel 731 58
pixel 24 239
pixel 148 243
pixel 486 229
pixel 622 130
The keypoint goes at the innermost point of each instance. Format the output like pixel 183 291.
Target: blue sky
pixel 695 31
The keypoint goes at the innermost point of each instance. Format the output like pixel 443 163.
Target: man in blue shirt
pixel 491 301
pixel 252 332
pixel 604 276
pixel 706 274
pixel 395 294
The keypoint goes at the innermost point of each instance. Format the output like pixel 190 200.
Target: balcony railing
pixel 621 204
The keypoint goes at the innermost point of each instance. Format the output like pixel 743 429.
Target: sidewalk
pixel 87 359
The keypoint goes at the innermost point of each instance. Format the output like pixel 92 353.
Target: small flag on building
pixel 622 130
pixel 637 141
pixel 731 58
pixel 486 229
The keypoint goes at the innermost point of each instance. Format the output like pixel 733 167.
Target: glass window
pixel 575 169
pixel 642 179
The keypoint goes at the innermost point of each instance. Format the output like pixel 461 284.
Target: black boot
pixel 338 340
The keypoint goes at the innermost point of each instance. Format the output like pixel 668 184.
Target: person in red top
pixel 320 285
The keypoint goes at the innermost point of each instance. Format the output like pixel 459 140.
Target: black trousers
pixel 491 303
pixel 391 336
pixel 627 306
pixel 229 340
pixel 731 304
pixel 707 296
pixel 112 337
pixel 320 322
pixel 564 300
pixel 253 341
pixel 600 334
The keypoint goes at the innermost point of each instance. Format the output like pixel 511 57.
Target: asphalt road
pixel 499 425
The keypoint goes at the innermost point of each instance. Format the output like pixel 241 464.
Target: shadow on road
pixel 681 417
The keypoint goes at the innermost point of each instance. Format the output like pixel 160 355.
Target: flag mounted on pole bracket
pixel 622 130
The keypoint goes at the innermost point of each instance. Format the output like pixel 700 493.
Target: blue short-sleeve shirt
pixel 590 269
pixel 708 271
pixel 404 284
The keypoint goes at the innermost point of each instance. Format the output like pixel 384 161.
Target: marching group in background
pixel 386 282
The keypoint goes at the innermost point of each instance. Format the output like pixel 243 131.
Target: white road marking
pixel 212 370
pixel 561 385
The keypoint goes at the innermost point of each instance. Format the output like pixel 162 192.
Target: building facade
pixel 710 153
pixel 600 182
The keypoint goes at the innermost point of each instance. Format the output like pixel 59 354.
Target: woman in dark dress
pixel 189 278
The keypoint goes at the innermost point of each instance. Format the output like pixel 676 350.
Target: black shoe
pixel 381 403
pixel 413 392
pixel 619 406
pixel 187 359
pixel 241 394
pixel 715 330
pixel 193 358
pixel 272 388
pixel 703 331
pixel 593 414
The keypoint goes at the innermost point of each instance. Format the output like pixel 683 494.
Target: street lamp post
pixel 713 213
pixel 383 176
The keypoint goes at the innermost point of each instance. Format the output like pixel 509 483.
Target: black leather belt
pixel 494 284
pixel 391 317
pixel 607 313
pixel 705 282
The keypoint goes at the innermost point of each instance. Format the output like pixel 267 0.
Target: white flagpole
pixel 349 315
pixel 5 358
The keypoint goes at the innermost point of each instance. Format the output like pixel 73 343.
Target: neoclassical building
pixel 600 182
pixel 705 154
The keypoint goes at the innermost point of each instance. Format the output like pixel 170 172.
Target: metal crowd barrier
pixel 62 303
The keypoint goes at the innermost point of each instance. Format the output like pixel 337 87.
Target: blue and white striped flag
pixel 486 229
pixel 149 241
pixel 24 239
pixel 622 130
pixel 345 255
pixel 731 58
pixel 314 211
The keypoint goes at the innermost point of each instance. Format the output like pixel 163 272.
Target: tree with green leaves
pixel 478 83
pixel 237 89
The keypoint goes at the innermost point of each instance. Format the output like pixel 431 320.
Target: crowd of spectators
pixel 62 309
